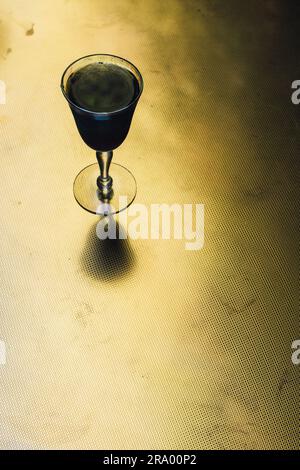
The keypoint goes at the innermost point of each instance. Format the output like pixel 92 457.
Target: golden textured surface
pixel 140 343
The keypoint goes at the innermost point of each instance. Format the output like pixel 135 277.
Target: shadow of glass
pixel 107 260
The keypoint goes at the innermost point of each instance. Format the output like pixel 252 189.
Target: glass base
pixel 87 194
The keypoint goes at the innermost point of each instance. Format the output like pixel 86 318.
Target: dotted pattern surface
pixel 141 344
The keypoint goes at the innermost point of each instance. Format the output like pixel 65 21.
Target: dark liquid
pixel 102 88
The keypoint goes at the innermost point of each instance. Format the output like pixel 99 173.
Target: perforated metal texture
pixel 142 344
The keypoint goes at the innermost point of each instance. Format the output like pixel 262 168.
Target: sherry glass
pixel 102 91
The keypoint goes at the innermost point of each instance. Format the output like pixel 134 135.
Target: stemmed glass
pixel 104 184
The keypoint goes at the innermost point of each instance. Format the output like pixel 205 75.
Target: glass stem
pixel 104 181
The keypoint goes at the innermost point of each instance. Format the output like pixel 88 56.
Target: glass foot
pixel 87 194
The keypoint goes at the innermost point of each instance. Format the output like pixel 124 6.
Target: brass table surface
pixel 141 343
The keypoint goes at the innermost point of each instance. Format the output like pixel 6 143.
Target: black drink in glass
pixel 102 88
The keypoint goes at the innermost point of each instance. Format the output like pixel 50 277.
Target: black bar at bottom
pixel 136 458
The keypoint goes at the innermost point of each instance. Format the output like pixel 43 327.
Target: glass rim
pixel 102 113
